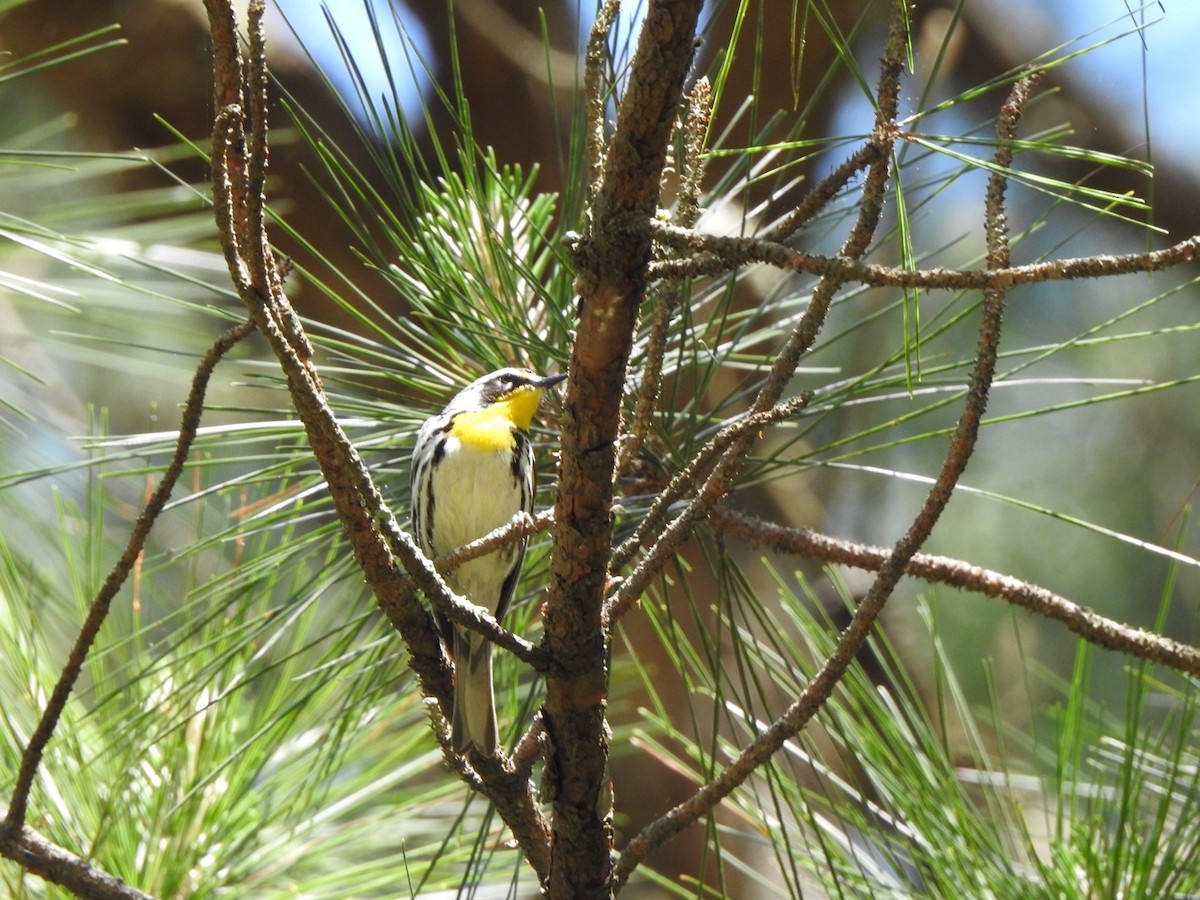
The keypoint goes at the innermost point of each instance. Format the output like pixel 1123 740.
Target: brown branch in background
pixel 1087 624
pixel 667 294
pixel 892 569
pixel 692 163
pixel 870 153
pixel 378 543
pixel 31 758
pixel 720 480
pixel 684 484
pixel 26 847
pixel 706 254
pixel 595 94
pixel 711 492
pixel 762 749
pixel 733 455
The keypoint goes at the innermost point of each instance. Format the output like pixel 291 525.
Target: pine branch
pixel 611 259
pixel 705 254
pixel 813 697
pixel 59 866
pixel 696 480
pixel 380 546
pixel 1079 620
pixel 16 841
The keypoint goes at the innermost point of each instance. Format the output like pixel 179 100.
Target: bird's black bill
pixel 550 381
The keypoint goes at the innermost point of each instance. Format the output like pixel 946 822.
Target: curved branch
pixel 380 547
pixel 1086 623
pixel 714 255
pixel 60 866
pixel 814 695
pixel 18 805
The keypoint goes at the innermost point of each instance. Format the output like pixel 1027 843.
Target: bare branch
pixel 667 294
pixel 193 410
pixel 478 618
pixel 596 94
pixel 704 500
pixel 1086 623
pixel 377 541
pixel 521 526
pixel 870 153
pixel 713 255
pixel 798 343
pixel 892 569
pixel 692 162
pixel 60 866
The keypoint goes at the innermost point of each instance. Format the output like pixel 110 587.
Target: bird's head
pixel 512 394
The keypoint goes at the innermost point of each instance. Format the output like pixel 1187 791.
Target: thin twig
pixel 478 618
pixel 762 749
pixel 1086 623
pixel 521 526
pixel 348 480
pixel 720 479
pixel 380 547
pixel 530 747
pixel 819 197
pixel 666 298
pixel 667 294
pixel 681 484
pixel 693 163
pixel 227 135
pixel 814 695
pixel 705 254
pixel 193 410
pixel 662 550
pixel 596 94
pixel 258 246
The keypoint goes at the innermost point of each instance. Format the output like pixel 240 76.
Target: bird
pixel 472 472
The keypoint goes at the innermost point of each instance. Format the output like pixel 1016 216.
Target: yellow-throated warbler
pixel 472 471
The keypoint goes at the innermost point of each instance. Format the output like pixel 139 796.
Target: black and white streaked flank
pixel 472 472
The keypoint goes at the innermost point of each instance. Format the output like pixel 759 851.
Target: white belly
pixel 476 492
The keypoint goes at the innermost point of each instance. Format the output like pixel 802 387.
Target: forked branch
pixel 380 547
pixel 962 443
pixel 22 844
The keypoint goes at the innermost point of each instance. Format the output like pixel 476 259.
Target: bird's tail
pixel 474 719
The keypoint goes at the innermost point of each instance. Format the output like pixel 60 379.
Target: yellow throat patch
pixel 491 428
